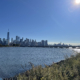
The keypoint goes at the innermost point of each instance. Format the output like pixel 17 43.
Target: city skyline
pixel 16 36
pixel 21 42
pixel 55 21
pixel 27 42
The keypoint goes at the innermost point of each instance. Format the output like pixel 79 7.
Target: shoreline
pixel 40 72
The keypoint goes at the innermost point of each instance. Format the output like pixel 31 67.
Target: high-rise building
pixel 11 40
pixel 8 37
pixel 4 41
pixel 45 43
pixel 17 38
pixel 27 40
pixel 42 42
pixel 0 39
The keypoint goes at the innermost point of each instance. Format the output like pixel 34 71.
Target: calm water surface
pixel 14 60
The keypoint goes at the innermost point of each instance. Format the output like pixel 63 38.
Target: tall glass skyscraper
pixel 8 37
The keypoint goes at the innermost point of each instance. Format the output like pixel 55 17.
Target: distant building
pixel 4 41
pixel 45 43
pixel 14 42
pixel 22 39
pixel 30 40
pixel 39 44
pixel 0 41
pixel 21 42
pixel 17 38
pixel 11 40
pixel 42 42
pixel 33 43
pixel 8 37
pixel 27 40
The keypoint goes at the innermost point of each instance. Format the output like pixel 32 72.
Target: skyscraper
pixel 42 42
pixel 8 37
pixel 11 40
pixel 45 43
pixel 17 38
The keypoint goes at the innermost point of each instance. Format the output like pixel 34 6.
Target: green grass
pixel 68 69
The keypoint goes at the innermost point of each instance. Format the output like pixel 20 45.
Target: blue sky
pixel 52 20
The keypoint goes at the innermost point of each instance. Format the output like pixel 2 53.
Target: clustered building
pixel 5 41
pixel 21 42
pixel 26 42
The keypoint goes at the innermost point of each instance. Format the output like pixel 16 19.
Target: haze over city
pixel 52 20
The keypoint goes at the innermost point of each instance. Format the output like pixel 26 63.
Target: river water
pixel 14 60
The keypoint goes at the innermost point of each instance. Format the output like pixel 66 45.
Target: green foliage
pixel 68 69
